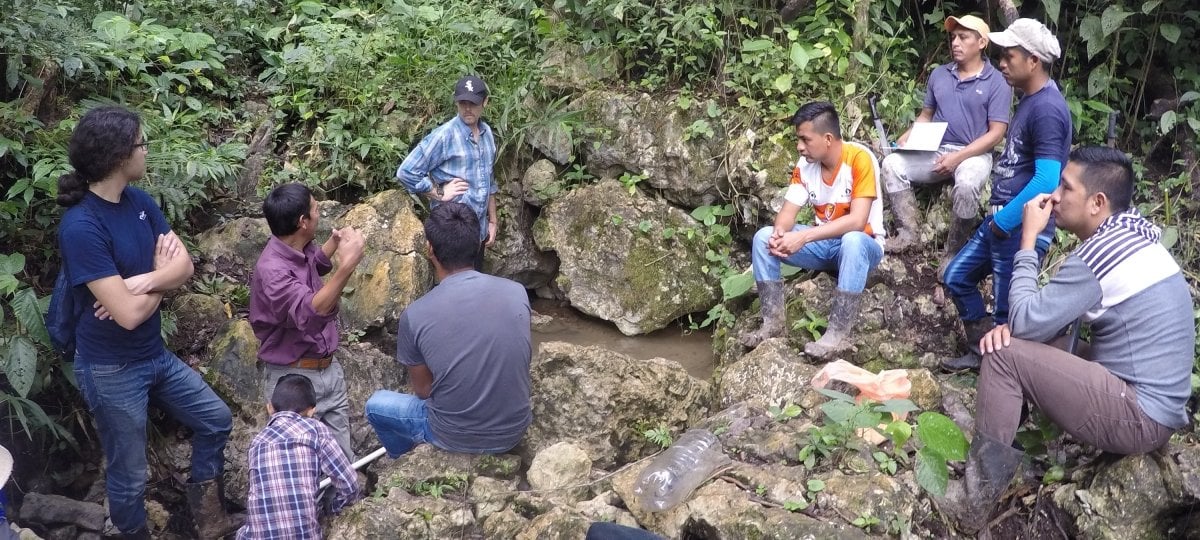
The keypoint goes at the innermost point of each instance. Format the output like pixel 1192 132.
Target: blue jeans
pixel 118 395
pixel 985 254
pixel 853 256
pixel 400 420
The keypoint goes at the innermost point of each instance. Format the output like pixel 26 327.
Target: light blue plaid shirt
pixel 451 152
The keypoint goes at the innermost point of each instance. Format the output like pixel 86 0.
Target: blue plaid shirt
pixel 287 459
pixel 451 152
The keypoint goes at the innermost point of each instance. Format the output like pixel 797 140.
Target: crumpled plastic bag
pixel 877 387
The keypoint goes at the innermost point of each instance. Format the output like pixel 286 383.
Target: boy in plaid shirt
pixel 286 462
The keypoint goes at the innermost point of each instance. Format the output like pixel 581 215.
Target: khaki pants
pixel 333 405
pixel 1082 397
pixel 900 170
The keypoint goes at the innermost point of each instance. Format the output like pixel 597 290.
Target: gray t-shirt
pixel 967 105
pixel 472 331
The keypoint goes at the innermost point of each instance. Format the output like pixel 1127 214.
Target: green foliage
pixel 26 360
pixel 787 412
pixel 435 487
pixel 659 435
pixel 942 441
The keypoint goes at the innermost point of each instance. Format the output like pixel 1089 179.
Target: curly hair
pixel 103 139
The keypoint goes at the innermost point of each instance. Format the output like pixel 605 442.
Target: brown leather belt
pixel 312 363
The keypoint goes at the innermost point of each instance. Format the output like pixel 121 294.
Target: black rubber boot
pixel 208 511
pixel 969 502
pixel 975 331
pixel 770 295
pixel 904 213
pixel 836 338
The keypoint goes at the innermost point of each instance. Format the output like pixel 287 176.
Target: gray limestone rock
pixel 627 258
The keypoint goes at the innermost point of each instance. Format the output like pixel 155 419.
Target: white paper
pixel 925 137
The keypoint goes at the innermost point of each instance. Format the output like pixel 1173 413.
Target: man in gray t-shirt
pixel 466 345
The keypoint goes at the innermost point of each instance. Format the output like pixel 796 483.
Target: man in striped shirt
pixel 840 180
pixel 454 162
pixel 286 462
pixel 1127 390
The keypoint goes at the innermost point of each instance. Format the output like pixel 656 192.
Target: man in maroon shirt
pixel 294 314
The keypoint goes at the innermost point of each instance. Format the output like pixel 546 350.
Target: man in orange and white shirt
pixel 840 180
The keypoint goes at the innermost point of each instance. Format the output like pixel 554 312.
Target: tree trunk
pixel 1008 11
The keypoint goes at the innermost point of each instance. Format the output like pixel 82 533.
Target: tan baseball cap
pixel 970 22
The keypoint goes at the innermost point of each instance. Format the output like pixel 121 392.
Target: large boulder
pixel 514 255
pixel 602 400
pixel 430 493
pixel 1136 497
pixel 685 154
pixel 233 247
pixel 627 258
pixel 771 374
pixel 563 468
pixel 198 317
pixel 394 270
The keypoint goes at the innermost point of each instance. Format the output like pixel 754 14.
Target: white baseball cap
pixel 1030 35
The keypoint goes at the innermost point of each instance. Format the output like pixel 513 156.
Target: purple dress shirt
pixel 281 311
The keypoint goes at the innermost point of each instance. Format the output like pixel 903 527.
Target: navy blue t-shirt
pixel 1040 129
pixel 99 239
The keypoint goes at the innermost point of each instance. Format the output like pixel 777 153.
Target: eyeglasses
pixel 143 144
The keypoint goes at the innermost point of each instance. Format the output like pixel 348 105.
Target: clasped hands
pixel 784 243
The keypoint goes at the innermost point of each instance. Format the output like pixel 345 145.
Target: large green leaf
pixel 941 435
pixel 1053 8
pixel 800 56
pixel 932 473
pixel 756 45
pixel 1170 32
pixel 21 364
pixel 29 313
pixel 736 285
pixel 1090 30
pixel 1167 122
pixel 12 264
pixel 1111 19
pixel 1098 81
pixel 1149 6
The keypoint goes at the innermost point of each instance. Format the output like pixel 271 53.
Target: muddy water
pixel 691 349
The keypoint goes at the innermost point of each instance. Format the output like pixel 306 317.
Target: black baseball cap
pixel 470 88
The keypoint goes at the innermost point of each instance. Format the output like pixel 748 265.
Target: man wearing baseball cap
pixel 454 162
pixel 1038 142
pixel 974 100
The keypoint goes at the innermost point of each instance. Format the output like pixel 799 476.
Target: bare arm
pixel 129 310
pixel 421 380
pixel 172 267
pixel 350 252
pixel 491 217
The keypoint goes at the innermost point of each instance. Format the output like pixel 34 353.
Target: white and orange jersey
pixel 830 195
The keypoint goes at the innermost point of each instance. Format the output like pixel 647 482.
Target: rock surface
pixel 627 258
pixel 602 400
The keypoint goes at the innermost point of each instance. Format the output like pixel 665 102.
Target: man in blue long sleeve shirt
pixel 1039 139
pixel 454 162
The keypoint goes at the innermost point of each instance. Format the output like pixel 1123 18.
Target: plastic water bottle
pixel 678 471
